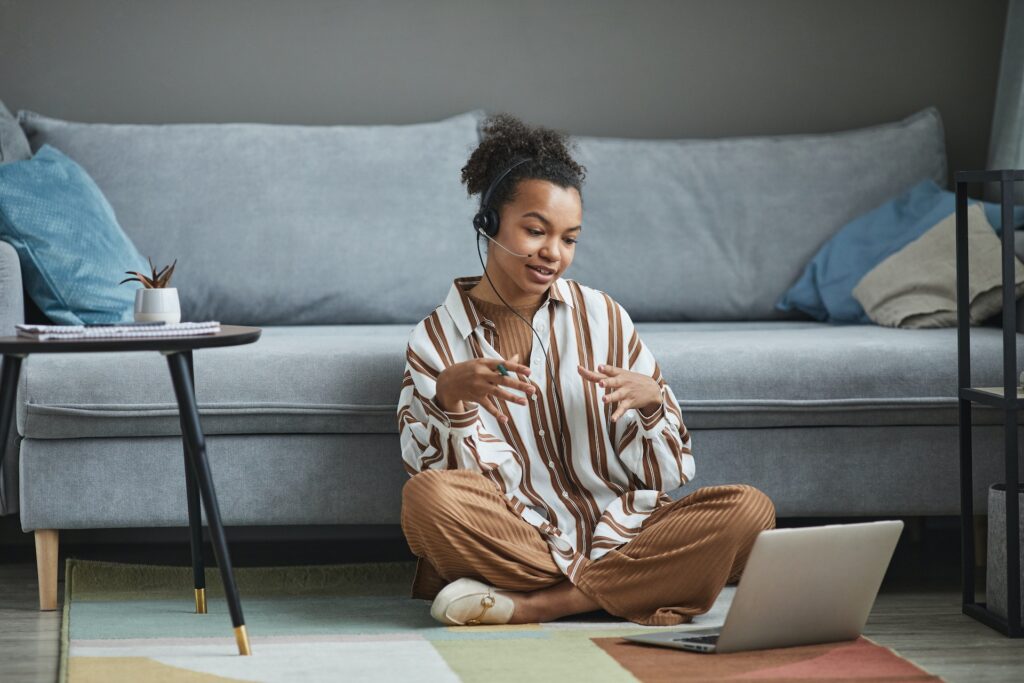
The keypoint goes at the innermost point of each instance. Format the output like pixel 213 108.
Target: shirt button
pixel 551 464
pixel 540 432
pixel 533 396
pixel 565 494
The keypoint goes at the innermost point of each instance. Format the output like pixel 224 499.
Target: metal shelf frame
pixel 1007 400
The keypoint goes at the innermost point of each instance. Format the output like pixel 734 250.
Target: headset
pixel 486 222
pixel 486 219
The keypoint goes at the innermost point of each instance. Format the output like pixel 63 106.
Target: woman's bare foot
pixel 548 604
pixel 524 612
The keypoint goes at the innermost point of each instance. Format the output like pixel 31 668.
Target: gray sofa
pixel 337 240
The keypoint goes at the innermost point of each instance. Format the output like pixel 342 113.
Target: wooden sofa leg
pixel 46 567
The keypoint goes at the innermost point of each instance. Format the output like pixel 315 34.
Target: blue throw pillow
pixel 72 251
pixel 825 289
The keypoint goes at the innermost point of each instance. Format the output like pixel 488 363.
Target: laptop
pixel 800 586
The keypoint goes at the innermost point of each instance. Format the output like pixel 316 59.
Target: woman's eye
pixel 534 231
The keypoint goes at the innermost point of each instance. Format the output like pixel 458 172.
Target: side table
pixel 997 397
pixel 198 480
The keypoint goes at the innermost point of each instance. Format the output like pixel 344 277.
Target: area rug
pixel 356 622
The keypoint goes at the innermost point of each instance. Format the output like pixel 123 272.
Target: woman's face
pixel 545 221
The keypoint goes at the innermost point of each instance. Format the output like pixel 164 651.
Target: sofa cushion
pixel 288 224
pixel 13 144
pixel 722 227
pixel 72 251
pixel 917 285
pixel 825 288
pixel 346 379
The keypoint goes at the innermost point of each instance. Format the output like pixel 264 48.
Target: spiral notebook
pixel 45 332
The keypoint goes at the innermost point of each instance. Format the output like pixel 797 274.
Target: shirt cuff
pixel 651 426
pixel 652 421
pixel 462 423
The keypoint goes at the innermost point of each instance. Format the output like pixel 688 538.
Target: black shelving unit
pixel 1006 398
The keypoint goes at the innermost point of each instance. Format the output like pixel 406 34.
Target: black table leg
pixel 10 370
pixel 195 519
pixel 196 452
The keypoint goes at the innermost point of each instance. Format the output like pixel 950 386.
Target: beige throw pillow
pixel 916 286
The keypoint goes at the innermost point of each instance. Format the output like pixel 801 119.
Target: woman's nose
pixel 549 250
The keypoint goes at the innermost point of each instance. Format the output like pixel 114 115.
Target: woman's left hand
pixel 631 389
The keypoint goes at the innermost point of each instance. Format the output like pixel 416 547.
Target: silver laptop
pixel 800 586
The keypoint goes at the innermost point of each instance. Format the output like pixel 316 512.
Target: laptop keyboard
pixel 699 639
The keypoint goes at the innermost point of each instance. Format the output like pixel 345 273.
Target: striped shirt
pixel 585 482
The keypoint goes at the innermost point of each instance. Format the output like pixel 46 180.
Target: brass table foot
pixel 200 601
pixel 243 640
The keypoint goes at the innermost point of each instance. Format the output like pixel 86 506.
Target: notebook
pixel 46 332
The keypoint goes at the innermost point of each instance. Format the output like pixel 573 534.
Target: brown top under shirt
pixel 513 334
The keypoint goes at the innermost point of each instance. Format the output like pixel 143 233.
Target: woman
pixel 539 470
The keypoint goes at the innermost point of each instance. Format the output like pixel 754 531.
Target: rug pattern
pixel 134 622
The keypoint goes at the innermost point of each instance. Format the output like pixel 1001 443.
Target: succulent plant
pixel 157 280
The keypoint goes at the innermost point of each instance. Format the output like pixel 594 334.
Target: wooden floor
pixel 917 613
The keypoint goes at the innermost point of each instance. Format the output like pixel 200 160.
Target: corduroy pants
pixel 459 524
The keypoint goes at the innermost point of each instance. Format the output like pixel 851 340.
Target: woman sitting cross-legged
pixel 539 471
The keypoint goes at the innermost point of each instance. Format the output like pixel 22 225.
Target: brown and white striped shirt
pixel 585 482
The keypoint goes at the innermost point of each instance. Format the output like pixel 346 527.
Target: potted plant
pixel 155 301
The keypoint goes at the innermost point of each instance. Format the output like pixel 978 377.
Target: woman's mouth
pixel 541 274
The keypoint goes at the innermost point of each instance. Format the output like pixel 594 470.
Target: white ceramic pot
pixel 156 304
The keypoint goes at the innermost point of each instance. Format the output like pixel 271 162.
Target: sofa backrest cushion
pixel 13 144
pixel 283 224
pixel 288 224
pixel 718 229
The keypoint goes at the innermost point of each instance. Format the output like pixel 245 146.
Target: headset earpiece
pixel 487 222
pixel 486 219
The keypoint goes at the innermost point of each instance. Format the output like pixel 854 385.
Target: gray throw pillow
pixel 916 286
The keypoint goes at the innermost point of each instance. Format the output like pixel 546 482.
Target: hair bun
pixel 505 138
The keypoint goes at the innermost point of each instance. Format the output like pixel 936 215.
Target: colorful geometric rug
pixel 356 622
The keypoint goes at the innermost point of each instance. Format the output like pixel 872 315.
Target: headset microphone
pixel 503 246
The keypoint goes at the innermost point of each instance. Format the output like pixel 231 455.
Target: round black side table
pixel 198 481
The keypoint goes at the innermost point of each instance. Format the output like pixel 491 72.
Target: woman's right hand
pixel 479 381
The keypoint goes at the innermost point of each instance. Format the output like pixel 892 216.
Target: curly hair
pixel 505 137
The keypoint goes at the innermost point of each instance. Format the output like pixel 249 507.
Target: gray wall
pixel 641 68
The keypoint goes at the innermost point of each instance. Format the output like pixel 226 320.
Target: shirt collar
pixel 460 307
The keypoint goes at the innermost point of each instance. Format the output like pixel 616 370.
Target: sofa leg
pixel 46 567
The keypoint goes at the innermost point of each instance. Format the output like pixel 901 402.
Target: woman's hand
pixel 478 380
pixel 631 389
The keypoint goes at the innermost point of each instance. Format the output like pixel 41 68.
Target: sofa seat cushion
pixel 331 379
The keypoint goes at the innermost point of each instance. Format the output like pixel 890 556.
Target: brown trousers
pixel 460 525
